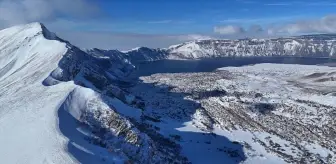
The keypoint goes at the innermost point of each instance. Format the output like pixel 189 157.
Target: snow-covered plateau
pixel 60 104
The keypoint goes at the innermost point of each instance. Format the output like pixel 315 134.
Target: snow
pixel 29 126
pixel 201 147
pixel 133 49
pixel 318 149
pixel 124 109
pixel 204 148
pixel 77 101
pixel 216 157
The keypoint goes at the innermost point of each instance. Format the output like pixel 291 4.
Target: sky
pixel 125 24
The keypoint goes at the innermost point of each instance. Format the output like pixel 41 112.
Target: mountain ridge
pixel 51 94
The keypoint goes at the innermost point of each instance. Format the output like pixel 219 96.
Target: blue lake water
pixel 208 65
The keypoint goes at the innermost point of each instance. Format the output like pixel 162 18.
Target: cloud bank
pixel 229 30
pixel 126 41
pixel 14 12
pixel 325 24
pixel 237 30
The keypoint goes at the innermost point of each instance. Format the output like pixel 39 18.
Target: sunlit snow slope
pixel 28 110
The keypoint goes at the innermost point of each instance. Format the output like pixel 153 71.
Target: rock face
pixel 136 55
pixel 146 54
pixel 97 68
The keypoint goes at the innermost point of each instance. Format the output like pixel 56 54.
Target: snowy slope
pixel 28 120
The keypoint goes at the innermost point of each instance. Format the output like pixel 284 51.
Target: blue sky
pixel 200 16
pixel 124 24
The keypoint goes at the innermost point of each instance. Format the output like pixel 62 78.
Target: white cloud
pixel 245 1
pixel 160 22
pixel 260 20
pixel 255 29
pixel 326 24
pixel 278 4
pixel 302 3
pixel 239 31
pixel 23 11
pixel 229 30
pixel 189 37
pixel 320 3
pixel 125 41
pixel 170 22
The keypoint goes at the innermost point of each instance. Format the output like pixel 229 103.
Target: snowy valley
pixel 62 104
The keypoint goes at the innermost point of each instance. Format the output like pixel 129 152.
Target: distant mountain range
pixel 321 45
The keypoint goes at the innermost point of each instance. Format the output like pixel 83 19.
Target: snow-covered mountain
pixel 301 46
pixel 307 46
pixel 60 104
pixel 28 119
